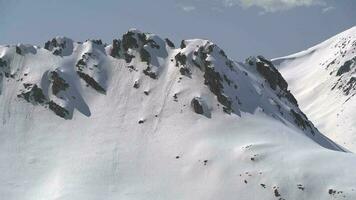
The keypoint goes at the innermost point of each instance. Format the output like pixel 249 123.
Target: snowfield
pixel 142 119
pixel 323 80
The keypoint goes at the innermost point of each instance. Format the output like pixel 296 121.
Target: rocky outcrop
pixel 87 66
pixel 91 82
pixel 32 94
pixel 58 110
pixel 58 83
pixel 199 106
pixel 60 46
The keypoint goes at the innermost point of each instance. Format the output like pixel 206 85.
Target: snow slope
pixel 142 119
pixel 323 80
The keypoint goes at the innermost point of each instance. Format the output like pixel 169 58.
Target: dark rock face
pixel 18 50
pixel 200 107
pixel 148 72
pixel 136 84
pixel 181 59
pixel 169 43
pixel 128 57
pixel 197 105
pixel 346 67
pixel 81 66
pixel 270 73
pixel 182 44
pixel 214 81
pixel 267 70
pixel 129 41
pixel 116 48
pixel 3 63
pixel 90 81
pixel 4 68
pixel 184 71
pixel 145 56
pixel 302 121
pixel 97 42
pixel 58 110
pixel 276 193
pixel 33 94
pixel 201 56
pixel 138 42
pixel 58 46
pixel 58 83
pixel 350 85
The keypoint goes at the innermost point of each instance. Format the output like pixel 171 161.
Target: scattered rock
pixel 301 187
pixel 136 84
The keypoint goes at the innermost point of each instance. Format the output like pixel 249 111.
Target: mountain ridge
pixel 141 119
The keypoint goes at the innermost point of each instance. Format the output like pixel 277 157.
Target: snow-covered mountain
pixel 143 119
pixel 323 79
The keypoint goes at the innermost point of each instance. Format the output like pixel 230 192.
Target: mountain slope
pixel 323 80
pixel 141 119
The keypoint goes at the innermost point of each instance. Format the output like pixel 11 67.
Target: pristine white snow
pixel 312 77
pixel 120 143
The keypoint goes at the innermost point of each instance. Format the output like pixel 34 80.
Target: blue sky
pixel 241 27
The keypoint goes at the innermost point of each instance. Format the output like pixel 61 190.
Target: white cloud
pixel 274 5
pixel 188 8
pixel 265 5
pixel 328 9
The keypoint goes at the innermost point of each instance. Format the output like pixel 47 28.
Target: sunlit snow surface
pixel 324 93
pixel 148 143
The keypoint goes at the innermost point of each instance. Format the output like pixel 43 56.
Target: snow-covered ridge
pixel 323 79
pixel 143 119
pixel 197 67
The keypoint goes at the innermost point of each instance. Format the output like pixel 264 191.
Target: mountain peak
pixel 198 72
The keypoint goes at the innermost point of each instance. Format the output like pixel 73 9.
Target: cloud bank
pixel 274 5
pixel 265 5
